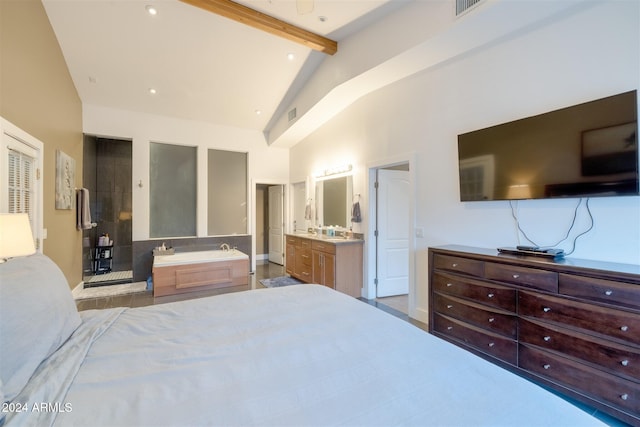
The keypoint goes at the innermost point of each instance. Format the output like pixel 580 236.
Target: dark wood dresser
pixel 568 324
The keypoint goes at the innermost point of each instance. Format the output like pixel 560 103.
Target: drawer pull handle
pixel 546 366
pixel 624 396
pixel 547 338
pixel 546 309
pixel 454 265
pixel 449 306
pixel 449 285
pixel 491 320
pixel 608 293
pixel 491 295
pixel 449 328
pixel 625 362
pixel 515 276
pixel 624 328
pixel 491 344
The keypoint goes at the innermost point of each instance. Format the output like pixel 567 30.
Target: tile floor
pixel 397 306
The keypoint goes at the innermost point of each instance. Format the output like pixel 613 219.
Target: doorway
pixel 269 228
pixel 391 219
pixel 107 247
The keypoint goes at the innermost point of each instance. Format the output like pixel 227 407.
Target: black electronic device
pixel 545 253
pixel 527 248
pixel 584 150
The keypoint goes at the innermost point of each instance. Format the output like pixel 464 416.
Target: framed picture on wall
pixel 65 181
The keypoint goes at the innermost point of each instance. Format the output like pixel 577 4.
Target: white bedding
pixel 297 355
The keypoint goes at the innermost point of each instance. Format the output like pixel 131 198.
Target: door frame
pixel 8 128
pixel 369 291
pixel 285 211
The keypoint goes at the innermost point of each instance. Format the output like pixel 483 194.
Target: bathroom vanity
pixel 201 270
pixel 334 262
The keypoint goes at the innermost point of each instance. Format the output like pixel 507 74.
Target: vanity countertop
pixel 338 240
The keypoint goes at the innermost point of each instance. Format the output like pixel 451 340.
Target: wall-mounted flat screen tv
pixel 586 150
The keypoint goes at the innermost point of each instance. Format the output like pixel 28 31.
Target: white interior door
pixel 276 224
pixel 393 233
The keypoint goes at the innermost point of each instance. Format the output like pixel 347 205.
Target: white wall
pixel 264 162
pixel 579 55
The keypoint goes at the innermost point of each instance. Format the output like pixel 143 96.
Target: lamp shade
pixel 16 238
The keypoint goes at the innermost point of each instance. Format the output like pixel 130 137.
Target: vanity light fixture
pixel 337 170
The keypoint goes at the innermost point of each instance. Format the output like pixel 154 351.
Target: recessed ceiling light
pixel 151 10
pixel 152 91
pixel 290 56
pixel 258 112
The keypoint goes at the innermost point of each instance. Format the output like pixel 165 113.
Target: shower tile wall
pixel 111 197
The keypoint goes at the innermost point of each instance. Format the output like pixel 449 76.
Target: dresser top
pixel 567 263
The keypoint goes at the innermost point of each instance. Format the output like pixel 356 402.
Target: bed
pixel 290 356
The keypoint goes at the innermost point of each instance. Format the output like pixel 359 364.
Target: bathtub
pixel 200 270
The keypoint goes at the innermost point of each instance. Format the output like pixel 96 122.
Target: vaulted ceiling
pixel 189 63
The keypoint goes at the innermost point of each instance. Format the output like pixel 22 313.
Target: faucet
pixel 225 247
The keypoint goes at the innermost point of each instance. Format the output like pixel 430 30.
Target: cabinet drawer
pixel 615 391
pixel 522 276
pixel 607 291
pixel 499 322
pixel 323 247
pixel 304 243
pixel 482 292
pixel 612 323
pixel 494 345
pixel 618 359
pixel 461 265
pixel 292 240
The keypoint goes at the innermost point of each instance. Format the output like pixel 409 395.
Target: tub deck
pixel 197 271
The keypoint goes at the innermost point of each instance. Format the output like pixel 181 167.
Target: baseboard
pixel 262 257
pixel 421 315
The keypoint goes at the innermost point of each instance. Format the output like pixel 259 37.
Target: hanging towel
pixel 307 212
pixel 356 216
pixel 83 214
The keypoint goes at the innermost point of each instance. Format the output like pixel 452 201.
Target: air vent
pixel 292 114
pixel 464 5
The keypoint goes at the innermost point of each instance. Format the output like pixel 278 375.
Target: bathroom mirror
pixel 333 201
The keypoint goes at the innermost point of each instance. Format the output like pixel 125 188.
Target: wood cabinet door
pixel 290 263
pixel 324 269
pixel 329 268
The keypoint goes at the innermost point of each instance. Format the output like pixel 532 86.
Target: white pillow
pixel 37 315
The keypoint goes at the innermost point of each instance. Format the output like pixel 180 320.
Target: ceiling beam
pixel 253 18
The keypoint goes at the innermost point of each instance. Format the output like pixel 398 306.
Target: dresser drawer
pixel 500 322
pixel 323 247
pixel 612 323
pixel 494 345
pixel 522 276
pixel 482 292
pixel 618 359
pixel 615 391
pixel 458 264
pixel 607 291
